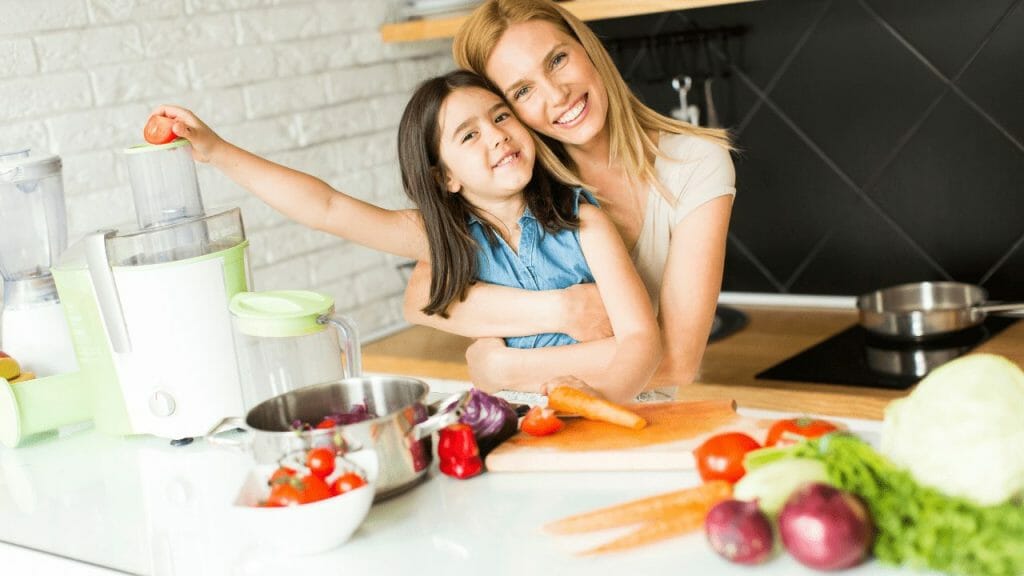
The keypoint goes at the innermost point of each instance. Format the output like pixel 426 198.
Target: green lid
pixel 280 313
pixel 141 148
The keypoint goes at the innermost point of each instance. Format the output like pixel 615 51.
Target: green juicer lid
pixel 280 313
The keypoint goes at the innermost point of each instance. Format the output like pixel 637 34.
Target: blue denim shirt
pixel 545 261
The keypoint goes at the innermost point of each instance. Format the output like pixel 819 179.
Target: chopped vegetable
pixel 917 526
pixel 649 509
pixel 740 532
pixel 771 485
pixel 825 528
pixel 493 420
pixel 575 401
pixel 457 452
pixel 961 431
pixel 720 457
pixel 357 413
pixel 793 430
pixel 541 421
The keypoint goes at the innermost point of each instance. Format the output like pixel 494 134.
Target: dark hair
pixel 453 249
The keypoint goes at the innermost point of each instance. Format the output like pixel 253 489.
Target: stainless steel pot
pixel 924 309
pixel 399 431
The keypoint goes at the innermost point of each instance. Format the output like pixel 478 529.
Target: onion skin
pixel 826 528
pixel 739 532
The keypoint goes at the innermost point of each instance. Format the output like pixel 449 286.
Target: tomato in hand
pixel 793 430
pixel 541 422
pixel 347 482
pixel 721 457
pixel 320 462
pixel 158 130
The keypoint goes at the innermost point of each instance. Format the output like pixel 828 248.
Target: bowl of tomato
pixel 287 506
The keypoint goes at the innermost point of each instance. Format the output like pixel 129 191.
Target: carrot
pixel 650 509
pixel 575 401
pixel 684 519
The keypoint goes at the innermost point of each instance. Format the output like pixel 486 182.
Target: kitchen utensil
pixel 673 431
pixel 398 430
pixel 686 112
pixel 148 305
pixel 709 105
pixel 925 309
pixel 284 340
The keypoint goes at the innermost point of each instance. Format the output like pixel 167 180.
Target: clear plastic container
pixel 33 222
pixel 164 183
pixel 287 339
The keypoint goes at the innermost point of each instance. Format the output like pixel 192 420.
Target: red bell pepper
pixel 457 452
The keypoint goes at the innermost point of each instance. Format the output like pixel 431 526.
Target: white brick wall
pixel 307 83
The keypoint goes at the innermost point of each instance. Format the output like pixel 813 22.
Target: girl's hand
pixel 586 319
pixel 205 142
pixel 483 357
pixel 571 382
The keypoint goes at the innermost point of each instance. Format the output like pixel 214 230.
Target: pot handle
pixel 447 414
pixel 230 423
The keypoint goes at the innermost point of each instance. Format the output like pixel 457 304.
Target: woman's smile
pixel 575 114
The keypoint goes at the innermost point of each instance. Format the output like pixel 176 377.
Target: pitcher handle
pixel 224 425
pixel 348 340
pixel 447 414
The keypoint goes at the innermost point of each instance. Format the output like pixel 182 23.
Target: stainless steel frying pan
pixel 924 309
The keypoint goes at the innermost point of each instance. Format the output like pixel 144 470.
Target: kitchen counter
pixel 772 335
pixel 97 505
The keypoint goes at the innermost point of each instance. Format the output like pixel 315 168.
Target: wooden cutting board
pixel 674 430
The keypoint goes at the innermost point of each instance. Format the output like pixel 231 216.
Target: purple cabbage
pixel 492 419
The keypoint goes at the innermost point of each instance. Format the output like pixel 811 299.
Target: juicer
pixel 148 304
pixel 33 331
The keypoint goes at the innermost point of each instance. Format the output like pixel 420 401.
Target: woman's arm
pixel 689 291
pixel 490 310
pixel 617 367
pixel 302 197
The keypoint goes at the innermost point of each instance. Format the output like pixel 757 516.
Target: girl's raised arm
pixel 302 197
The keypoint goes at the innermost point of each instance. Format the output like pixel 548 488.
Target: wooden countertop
pixel 727 371
pixel 445 26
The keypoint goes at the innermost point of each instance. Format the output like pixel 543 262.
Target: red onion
pixel 825 528
pixel 739 531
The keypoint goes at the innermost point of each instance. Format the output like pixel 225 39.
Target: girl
pixel 668 187
pixel 487 211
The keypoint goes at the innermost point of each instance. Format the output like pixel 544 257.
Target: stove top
pixel 855 357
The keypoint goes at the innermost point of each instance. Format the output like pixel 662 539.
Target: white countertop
pixel 99 505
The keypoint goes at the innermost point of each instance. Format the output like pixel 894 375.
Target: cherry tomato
pixel 312 489
pixel 158 130
pixel 541 422
pixel 346 482
pixel 793 430
pixel 284 494
pixel 721 457
pixel 327 422
pixel 282 474
pixel 320 462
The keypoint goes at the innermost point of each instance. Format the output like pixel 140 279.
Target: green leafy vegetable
pixel 917 526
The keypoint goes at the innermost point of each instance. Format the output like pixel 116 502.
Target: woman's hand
pixel 585 319
pixel 205 141
pixel 483 357
pixel 571 382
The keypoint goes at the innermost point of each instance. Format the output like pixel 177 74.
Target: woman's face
pixel 487 153
pixel 550 81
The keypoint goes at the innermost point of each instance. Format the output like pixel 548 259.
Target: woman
pixel 668 187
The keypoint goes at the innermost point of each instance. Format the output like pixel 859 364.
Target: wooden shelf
pixel 446 26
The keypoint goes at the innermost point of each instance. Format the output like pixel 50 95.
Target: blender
pixel 283 342
pixel 33 330
pixel 148 304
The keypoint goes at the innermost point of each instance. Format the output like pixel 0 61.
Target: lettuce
pixel 961 431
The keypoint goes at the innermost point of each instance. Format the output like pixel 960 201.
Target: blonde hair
pixel 628 121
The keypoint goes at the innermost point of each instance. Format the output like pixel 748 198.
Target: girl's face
pixel 487 153
pixel 551 82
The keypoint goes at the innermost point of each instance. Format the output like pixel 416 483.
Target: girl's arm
pixel 302 197
pixel 689 291
pixel 490 310
pixel 617 367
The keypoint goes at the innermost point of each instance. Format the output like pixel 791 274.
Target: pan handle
pixel 1000 307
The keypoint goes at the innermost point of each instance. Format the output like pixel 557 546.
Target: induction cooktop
pixel 855 357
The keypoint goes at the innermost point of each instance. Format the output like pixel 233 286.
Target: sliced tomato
pixel 158 130
pixel 793 430
pixel 541 422
pixel 347 482
pixel 320 462
pixel 721 456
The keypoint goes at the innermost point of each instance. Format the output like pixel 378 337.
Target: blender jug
pixel 282 342
pixel 164 184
